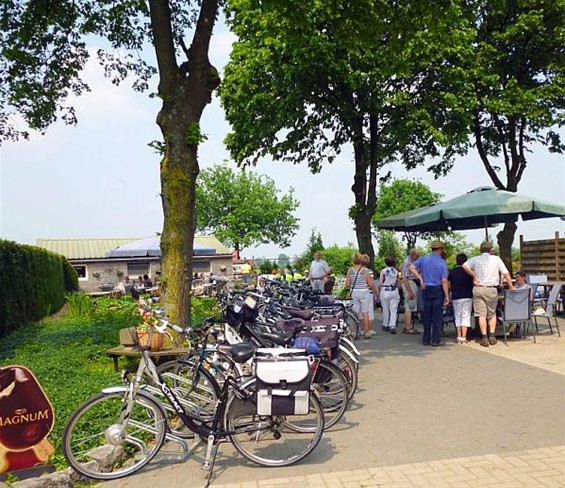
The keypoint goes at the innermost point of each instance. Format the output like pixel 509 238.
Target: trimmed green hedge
pixel 34 282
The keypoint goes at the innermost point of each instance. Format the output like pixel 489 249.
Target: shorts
pixel 484 301
pixel 410 305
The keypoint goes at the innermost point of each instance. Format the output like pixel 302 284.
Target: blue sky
pixel 100 179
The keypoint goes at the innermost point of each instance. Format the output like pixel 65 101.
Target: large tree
pixel 243 208
pixel 43 52
pixel 308 77
pixel 517 74
pixel 403 195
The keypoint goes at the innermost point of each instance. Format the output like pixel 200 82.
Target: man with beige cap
pixel 486 270
pixel 431 270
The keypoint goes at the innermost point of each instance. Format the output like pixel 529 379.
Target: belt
pixel 317 279
pixel 389 288
pixel 433 286
pixel 487 286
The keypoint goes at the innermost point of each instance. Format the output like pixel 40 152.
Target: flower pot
pixel 156 340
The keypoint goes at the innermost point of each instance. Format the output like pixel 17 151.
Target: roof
pixel 82 248
pixel 97 248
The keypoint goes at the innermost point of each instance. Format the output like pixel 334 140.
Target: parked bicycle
pixel 118 431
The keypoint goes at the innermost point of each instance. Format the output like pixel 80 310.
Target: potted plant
pixel 145 335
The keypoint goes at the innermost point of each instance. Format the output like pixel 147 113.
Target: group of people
pixel 428 286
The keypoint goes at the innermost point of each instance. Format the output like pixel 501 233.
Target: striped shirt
pixel 359 283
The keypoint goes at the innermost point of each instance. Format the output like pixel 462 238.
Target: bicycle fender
pixel 348 353
pixel 351 346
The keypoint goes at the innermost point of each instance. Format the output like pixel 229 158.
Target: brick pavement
pixel 455 416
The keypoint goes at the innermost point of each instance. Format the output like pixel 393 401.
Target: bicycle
pixel 126 426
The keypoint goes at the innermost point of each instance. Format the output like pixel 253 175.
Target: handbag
pixel 348 294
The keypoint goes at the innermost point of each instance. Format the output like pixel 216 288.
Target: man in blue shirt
pixel 431 270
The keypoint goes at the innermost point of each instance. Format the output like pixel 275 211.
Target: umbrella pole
pixel 486 229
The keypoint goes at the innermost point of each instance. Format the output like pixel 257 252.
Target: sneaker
pixel 492 341
pixel 393 331
pixel 368 334
pixel 464 341
pixel 386 328
pixel 485 342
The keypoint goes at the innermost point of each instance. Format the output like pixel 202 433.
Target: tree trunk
pixel 364 189
pixel 179 170
pixel 505 239
pixel 185 89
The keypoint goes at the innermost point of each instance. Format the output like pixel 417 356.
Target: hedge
pixel 34 282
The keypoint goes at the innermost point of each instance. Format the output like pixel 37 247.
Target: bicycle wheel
pixel 273 440
pixel 331 387
pixel 196 392
pixel 103 442
pixel 352 323
pixel 349 369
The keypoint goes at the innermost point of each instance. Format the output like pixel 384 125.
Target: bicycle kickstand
pixel 210 459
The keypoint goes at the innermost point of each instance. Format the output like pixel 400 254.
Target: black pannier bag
pixel 241 310
pixel 284 378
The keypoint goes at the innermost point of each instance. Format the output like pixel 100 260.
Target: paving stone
pixel 447 417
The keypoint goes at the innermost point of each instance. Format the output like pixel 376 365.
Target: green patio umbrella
pixel 481 207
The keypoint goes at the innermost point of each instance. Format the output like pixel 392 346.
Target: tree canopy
pixel 403 195
pixel 244 209
pixel 516 74
pixel 308 77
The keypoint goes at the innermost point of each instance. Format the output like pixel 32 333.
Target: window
pixel 81 272
pixel 138 269
pixel 201 266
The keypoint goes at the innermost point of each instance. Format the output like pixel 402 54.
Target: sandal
pixel 410 331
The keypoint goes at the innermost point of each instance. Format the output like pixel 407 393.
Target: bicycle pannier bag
pixel 283 385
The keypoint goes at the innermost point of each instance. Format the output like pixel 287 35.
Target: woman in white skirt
pixel 390 296
pixel 461 286
pixel 360 282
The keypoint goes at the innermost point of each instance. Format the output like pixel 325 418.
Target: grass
pixel 67 354
pixel 67 357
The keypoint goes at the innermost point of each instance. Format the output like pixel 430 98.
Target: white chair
pixel 517 311
pixel 550 309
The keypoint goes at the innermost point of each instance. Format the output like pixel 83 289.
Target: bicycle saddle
pixel 280 339
pixel 239 352
pixel 301 314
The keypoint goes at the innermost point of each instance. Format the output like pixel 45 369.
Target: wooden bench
pixel 116 352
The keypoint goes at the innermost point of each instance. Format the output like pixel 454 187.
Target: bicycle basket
pixel 283 385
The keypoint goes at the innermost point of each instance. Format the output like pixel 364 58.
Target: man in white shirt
pixel 319 270
pixel 486 270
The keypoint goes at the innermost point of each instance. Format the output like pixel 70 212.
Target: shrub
pixel 33 284
pixel 204 307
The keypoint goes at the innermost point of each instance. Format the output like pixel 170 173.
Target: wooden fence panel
pixel 544 257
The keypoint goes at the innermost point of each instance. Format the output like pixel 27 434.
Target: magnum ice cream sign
pixel 26 418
